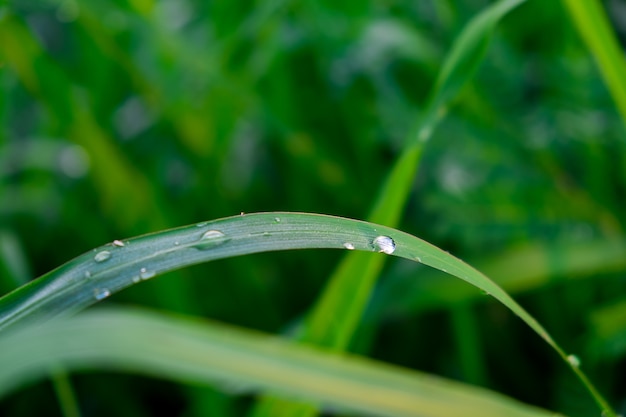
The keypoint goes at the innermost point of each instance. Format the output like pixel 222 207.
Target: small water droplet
pixel 145 274
pixel 101 293
pixel 211 239
pixel 102 256
pixel 202 224
pixel 118 243
pixel 176 243
pixel 418 259
pixel 277 219
pixel 242 214
pixel 348 246
pixel 136 279
pixel 573 360
pixel 87 274
pixel 384 244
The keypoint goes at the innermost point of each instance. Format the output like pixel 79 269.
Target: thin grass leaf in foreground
pixel 192 351
pixel 98 274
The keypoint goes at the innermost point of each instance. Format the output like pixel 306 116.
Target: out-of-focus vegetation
pixel 124 117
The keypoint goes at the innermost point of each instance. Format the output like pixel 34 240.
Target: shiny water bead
pixel 102 256
pixel 211 239
pixel 101 293
pixel 384 244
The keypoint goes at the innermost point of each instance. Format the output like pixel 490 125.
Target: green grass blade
pixel 356 275
pixel 594 27
pixel 108 269
pixel 133 340
pixel 64 392
pixel 520 269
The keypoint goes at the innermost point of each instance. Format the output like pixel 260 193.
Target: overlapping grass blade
pixel 108 269
pixel 335 317
pixel 193 351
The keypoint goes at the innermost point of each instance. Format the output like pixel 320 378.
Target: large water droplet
pixel 118 243
pixel 348 246
pixel 211 239
pixel 384 244
pixel 145 274
pixel 101 293
pixel 102 256
pixel 573 360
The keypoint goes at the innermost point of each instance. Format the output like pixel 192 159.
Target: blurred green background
pixel 125 117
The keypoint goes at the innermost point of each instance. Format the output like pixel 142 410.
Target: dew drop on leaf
pixel 211 239
pixel 573 360
pixel 101 293
pixel 348 246
pixel 145 274
pixel 384 244
pixel 102 256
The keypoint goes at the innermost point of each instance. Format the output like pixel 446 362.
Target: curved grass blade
pixel 244 360
pixel 120 264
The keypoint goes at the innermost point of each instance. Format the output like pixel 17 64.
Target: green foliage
pixel 241 361
pixel 126 117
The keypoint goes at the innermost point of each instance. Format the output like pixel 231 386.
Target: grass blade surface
pixel 193 351
pixel 593 25
pixel 98 274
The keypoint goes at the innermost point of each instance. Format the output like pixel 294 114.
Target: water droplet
pixel 242 214
pixel 118 243
pixel 136 279
pixel 348 246
pixel 176 243
pixel 211 239
pixel 384 244
pixel 277 219
pixel 418 259
pixel 87 274
pixel 573 360
pixel 102 256
pixel 101 293
pixel 202 224
pixel 145 274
